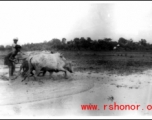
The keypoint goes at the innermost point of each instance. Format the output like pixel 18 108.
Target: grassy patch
pixel 125 63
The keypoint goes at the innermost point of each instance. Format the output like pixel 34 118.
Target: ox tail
pixel 31 59
pixel 30 64
pixel 29 70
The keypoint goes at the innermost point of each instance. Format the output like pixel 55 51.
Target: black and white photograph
pixel 75 59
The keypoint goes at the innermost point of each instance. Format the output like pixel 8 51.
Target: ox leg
pixel 24 78
pixel 32 73
pixel 22 67
pixel 65 74
pixel 62 69
pixel 51 74
pixel 19 72
pixel 38 70
pixel 26 75
pixel 29 73
pixel 42 72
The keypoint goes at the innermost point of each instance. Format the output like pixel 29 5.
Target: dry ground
pixel 63 97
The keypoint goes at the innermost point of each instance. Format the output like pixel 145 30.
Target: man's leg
pixel 13 69
pixel 10 73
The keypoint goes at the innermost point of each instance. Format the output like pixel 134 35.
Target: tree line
pixel 87 44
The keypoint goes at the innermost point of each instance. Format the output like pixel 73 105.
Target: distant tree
pixel 77 43
pixel 94 45
pixel 107 39
pixel 89 42
pixel 64 40
pixel 131 45
pixel 83 43
pixel 105 44
pixel 122 41
pixel 2 47
pixel 8 47
pixel 143 42
pixel 55 42
pixel 89 39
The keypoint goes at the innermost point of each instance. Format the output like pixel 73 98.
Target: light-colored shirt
pixel 14 44
pixel 13 47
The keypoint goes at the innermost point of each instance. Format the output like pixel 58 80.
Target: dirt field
pixel 100 78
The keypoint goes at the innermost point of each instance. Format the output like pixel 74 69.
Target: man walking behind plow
pixel 10 61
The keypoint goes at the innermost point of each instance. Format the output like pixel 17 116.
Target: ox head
pixel 21 56
pixel 68 67
pixel 60 56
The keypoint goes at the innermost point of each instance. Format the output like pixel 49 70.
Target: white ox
pixel 50 62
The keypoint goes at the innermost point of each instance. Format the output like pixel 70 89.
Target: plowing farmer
pixel 10 60
pixel 14 44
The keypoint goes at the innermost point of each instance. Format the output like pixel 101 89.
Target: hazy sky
pixel 37 21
